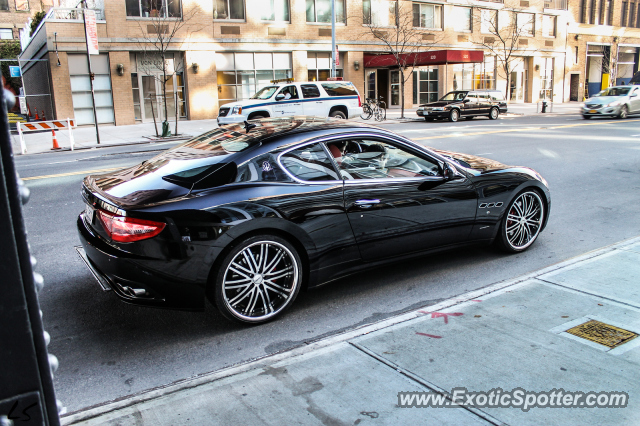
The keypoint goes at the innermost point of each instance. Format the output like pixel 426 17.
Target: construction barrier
pixel 38 126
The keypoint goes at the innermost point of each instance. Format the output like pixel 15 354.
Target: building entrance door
pixel 517 83
pixel 153 98
pixel 574 90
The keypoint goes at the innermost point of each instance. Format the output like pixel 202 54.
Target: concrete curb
pixel 494 289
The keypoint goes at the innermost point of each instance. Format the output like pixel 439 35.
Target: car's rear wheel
pixel 493 115
pixel 429 118
pixel 338 114
pixel 522 222
pixel 624 111
pixel 454 115
pixel 257 117
pixel 258 279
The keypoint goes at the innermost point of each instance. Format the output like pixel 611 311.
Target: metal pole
pixel 93 98
pixel 333 38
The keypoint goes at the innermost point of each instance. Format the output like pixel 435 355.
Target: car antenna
pixel 248 126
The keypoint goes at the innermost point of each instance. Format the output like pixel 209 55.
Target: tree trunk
pixel 401 71
pixel 153 113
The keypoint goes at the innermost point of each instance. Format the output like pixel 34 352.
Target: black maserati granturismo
pixel 249 214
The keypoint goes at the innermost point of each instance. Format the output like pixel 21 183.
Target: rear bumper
pixel 355 112
pixel 137 280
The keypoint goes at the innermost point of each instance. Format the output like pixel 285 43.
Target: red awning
pixel 436 57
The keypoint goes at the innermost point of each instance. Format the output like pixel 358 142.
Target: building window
pixel 276 10
pixel 623 20
pixel 577 58
pixel 228 9
pixel 379 12
pixel 320 11
pixel 241 75
pixel 319 66
pixel 488 21
pixel 4 4
pixel 81 88
pixel 632 14
pixel 546 79
pixel 548 26
pixel 427 15
pixel 6 34
pixel 462 18
pixel 475 76
pixel 154 8
pixel 22 5
pixel 524 21
pixel 425 85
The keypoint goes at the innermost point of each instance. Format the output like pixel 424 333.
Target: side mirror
pixel 448 172
pixel 633 95
pixel 466 100
pixel 279 97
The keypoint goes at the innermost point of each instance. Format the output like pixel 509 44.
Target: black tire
pixel 624 112
pixel 338 114
pixel 242 273
pixel 586 117
pixel 494 113
pixel 429 118
pixel 366 112
pixel 514 235
pixel 454 115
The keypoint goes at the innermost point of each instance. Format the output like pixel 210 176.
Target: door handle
pixel 365 204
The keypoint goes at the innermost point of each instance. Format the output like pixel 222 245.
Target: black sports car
pixel 251 214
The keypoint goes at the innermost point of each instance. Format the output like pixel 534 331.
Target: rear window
pixel 339 89
pixel 496 96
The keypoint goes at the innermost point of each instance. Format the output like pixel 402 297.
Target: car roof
pixel 285 83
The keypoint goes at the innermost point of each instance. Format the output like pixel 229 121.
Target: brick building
pixel 227 49
pixel 14 15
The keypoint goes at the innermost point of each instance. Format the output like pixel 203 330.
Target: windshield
pixel 265 92
pixel 614 91
pixel 454 96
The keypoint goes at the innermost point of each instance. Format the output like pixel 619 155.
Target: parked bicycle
pixel 375 108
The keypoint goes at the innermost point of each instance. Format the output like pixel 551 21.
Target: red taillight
pixel 359 100
pixel 128 229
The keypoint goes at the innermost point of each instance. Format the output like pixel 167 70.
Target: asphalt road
pixel 108 349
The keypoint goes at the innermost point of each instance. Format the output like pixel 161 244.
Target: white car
pixel 339 99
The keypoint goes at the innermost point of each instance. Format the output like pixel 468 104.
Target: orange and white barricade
pixel 38 126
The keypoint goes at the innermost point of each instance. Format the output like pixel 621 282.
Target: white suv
pixel 339 99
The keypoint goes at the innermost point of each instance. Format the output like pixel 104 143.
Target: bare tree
pixel 159 43
pixel 504 35
pixel 401 34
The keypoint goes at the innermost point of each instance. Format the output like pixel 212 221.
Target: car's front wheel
pixel 624 111
pixel 522 222
pixel 258 279
pixel 454 115
pixel 586 117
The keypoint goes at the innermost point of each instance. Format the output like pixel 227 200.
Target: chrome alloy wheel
pixel 524 220
pixel 260 281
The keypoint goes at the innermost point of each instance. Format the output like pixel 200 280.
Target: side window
pixel 310 91
pixel 263 168
pixel 371 159
pixel 290 92
pixel 473 96
pixel 339 88
pixel 309 163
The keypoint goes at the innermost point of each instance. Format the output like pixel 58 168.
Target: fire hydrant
pixel 544 106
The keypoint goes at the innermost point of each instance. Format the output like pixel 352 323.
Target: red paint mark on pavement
pixel 429 335
pixel 444 315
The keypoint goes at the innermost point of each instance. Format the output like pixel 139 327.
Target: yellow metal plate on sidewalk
pixel 602 333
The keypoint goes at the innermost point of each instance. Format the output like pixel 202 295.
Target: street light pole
pixel 93 97
pixel 333 38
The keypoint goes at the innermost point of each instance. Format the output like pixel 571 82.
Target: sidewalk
pixel 509 335
pixel 85 136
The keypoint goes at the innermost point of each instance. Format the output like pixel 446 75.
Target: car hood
pixel 437 104
pixel 481 164
pixel 603 100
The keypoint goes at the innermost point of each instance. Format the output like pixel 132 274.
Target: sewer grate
pixel 604 334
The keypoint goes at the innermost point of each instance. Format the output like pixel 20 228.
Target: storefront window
pixel 379 12
pixel 626 64
pixel 427 15
pixel 136 96
pixel 546 79
pixel 241 75
pixel 475 76
pixel 154 8
pixel 320 10
pixel 228 9
pixel 275 10
pixel 81 88
pixel 319 66
pixel 425 85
